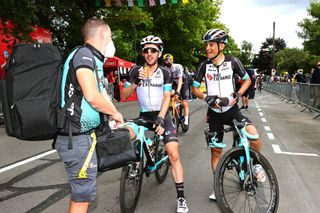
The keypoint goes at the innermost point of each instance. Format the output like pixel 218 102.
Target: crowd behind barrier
pixel 305 94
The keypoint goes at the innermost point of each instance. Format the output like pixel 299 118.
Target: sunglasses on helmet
pixel 152 49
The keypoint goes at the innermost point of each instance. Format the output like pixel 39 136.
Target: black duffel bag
pixel 114 148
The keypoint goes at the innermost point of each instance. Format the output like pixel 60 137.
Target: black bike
pixel 157 162
pixel 236 186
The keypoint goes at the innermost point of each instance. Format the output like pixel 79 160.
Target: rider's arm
pixel 180 76
pixel 180 82
pixel 165 104
pixel 167 87
pixel 130 86
pixel 197 81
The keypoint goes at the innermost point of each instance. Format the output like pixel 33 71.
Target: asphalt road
pixel 291 144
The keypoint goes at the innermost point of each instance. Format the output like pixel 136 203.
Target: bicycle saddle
pixel 239 125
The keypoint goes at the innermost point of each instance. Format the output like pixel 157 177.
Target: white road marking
pixel 26 161
pixel 276 149
pixel 270 136
pixel 261 114
pixel 263 120
pixel 258 106
pixel 259 110
pixel 267 128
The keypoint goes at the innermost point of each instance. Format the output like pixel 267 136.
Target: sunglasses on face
pixel 152 49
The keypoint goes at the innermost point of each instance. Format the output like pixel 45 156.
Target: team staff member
pixel 79 82
pixel 153 84
pixel 219 72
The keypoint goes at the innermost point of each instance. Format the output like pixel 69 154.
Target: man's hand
pixel 212 101
pixel 118 118
pixel 223 102
pixel 236 97
pixel 159 125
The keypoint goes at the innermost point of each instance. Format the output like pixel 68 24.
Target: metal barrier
pixel 307 95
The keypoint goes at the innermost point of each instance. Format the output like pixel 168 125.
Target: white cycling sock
pixel 186 120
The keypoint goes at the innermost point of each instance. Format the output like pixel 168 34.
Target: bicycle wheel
pixel 130 186
pixel 236 195
pixel 160 151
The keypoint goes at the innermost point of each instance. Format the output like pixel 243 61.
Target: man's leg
pixel 177 173
pixel 173 153
pixel 186 111
pixel 254 144
pixel 215 157
pixel 78 207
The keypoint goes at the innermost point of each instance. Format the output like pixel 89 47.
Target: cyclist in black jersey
pixel 153 84
pixel 180 84
pixel 219 73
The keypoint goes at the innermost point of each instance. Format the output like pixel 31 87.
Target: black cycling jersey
pixel 220 79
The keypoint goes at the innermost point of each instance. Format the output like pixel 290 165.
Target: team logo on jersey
pixel 209 77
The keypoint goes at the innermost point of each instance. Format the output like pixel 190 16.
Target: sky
pixel 252 20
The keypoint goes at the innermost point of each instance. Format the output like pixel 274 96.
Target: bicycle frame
pixel 243 141
pixel 144 142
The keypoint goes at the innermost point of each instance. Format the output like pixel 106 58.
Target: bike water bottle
pixel 259 173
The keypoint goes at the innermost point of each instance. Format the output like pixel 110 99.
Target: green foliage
pixel 181 26
pixel 246 53
pixel 311 29
pixel 264 60
pixel 290 60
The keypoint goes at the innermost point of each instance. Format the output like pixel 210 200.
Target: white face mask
pixel 110 50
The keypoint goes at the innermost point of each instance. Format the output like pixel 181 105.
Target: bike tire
pixel 160 151
pixel 227 181
pixel 131 175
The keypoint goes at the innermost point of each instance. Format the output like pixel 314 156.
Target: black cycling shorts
pixel 170 132
pixel 184 89
pixel 217 120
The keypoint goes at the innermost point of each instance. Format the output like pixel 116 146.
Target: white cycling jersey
pixel 176 72
pixel 150 91
pixel 220 79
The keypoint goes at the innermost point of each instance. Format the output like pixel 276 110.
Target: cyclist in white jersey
pixel 219 73
pixel 180 85
pixel 153 84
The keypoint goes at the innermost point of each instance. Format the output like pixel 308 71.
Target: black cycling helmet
pixel 216 35
pixel 151 39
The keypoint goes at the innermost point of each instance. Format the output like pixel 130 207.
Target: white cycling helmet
pixel 215 35
pixel 151 39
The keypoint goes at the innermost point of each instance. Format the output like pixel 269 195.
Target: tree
pixel 291 59
pixel 311 29
pixel 264 60
pixel 246 53
pixel 180 26
pixel 63 18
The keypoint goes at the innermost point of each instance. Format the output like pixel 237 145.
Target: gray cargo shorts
pixel 82 190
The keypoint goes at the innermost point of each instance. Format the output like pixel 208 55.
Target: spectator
pixel 299 77
pixel 315 78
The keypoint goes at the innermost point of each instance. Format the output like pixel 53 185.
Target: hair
pixel 89 29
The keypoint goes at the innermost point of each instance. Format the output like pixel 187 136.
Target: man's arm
pixel 165 104
pixel 128 90
pixel 197 92
pixel 180 82
pixel 88 86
